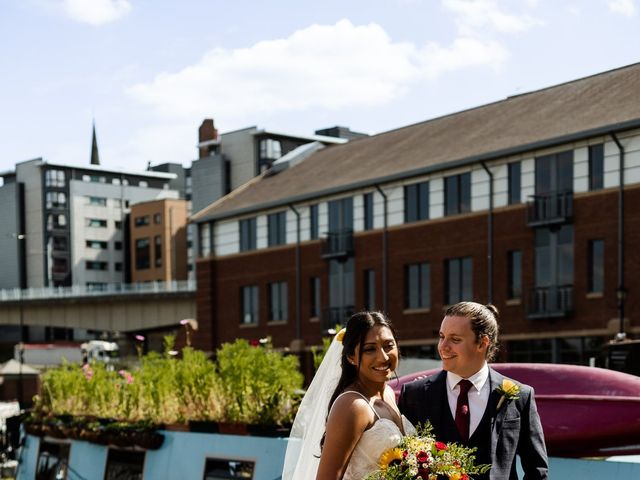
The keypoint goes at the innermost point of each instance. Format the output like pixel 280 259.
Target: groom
pixel 463 402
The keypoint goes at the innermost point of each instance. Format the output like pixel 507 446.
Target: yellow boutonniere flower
pixel 509 391
pixel 340 335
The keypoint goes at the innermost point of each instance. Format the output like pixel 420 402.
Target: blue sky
pixel 149 71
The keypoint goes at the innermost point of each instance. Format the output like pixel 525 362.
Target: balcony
pixel 333 316
pixel 338 244
pixel 550 302
pixel 555 208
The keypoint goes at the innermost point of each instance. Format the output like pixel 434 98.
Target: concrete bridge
pixel 118 307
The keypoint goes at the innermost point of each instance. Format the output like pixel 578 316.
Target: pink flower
pixel 88 372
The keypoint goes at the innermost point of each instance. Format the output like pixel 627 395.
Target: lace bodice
pixel 382 435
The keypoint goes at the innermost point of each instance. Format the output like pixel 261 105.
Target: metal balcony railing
pixel 338 244
pixel 333 316
pixel 550 302
pixel 549 209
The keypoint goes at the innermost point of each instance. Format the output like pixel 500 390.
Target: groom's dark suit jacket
pixel 513 429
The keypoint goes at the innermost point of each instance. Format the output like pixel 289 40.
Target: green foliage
pixel 255 385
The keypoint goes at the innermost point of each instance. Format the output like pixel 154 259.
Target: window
pixel 142 221
pixel 56 200
pixel 249 299
pixel 205 239
pixel 457 194
pixel 313 222
pixel 96 286
pixel 416 202
pixel 270 148
pixel 54 178
pixel 515 180
pixel 59 265
pixel 96 222
pixel 143 184
pixel 60 243
pixel 143 255
pixel 157 218
pixel 596 167
pixel 158 250
pixel 124 464
pixel 278 311
pixel 118 266
pixel 314 300
pixel 55 221
pixel 97 201
pixel 514 275
pixel 370 289
pixel 117 245
pixel 417 286
pixel 596 266
pixel 248 234
pixel 93 265
pixel 341 215
pixel 276 223
pixel 459 280
pixel 219 468
pixel 367 206
pixel 554 174
pixel 97 244
pixel 115 181
pixel 118 224
pixel 554 257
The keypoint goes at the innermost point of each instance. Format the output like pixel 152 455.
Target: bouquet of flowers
pixel 420 456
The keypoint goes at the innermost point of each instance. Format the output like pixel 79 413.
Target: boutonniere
pixel 509 391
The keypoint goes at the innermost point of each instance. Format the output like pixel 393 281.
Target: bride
pixel 363 419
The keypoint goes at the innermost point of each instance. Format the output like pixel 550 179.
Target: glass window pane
pixel 465 192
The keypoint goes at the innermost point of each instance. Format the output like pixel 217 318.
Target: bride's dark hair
pixel 357 328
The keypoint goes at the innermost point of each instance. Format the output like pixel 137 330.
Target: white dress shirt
pixel 478 395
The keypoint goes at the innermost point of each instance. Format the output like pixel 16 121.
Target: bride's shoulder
pixel 351 403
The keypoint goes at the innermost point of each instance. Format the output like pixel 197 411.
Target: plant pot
pixel 148 440
pixel 273 431
pixel 176 427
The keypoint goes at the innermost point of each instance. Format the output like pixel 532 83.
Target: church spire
pixel 95 157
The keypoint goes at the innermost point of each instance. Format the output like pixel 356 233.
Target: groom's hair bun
pixel 484 322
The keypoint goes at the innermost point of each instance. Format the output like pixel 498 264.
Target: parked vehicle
pixel 49 354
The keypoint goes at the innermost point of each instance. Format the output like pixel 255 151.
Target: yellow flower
pixel 340 335
pixel 389 456
pixel 509 391
pixel 455 476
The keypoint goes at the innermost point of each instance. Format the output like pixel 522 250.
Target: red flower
pixel 441 445
pixel 405 454
pixel 464 477
pixel 422 457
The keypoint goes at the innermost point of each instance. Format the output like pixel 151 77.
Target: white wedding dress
pixel 384 434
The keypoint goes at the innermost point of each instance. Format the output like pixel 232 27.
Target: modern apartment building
pixel 63 225
pixel 526 203
pixel 158 242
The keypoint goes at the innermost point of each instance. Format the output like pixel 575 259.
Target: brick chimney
pixel 208 143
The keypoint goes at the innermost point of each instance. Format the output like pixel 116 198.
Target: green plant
pixel 258 383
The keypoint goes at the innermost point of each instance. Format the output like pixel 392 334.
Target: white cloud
pixel 96 12
pixel 474 15
pixel 327 66
pixel 624 7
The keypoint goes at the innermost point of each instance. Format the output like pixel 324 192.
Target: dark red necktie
pixel 462 410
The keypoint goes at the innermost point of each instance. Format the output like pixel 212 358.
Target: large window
pixel 370 289
pixel 596 167
pixel 143 254
pixel 54 178
pixel 596 266
pixel 157 248
pixel 93 265
pixel 277 224
pixel 142 221
pixel 554 257
pixel 515 183
pixel 205 239
pixel 367 207
pixel 97 201
pixel 314 297
pixel 97 244
pixel 249 299
pixel 416 202
pixel 514 275
pixel 56 200
pixel 457 194
pixel 278 311
pixel 313 222
pixel 554 173
pixel 417 285
pixel 459 280
pixel 96 222
pixel 248 234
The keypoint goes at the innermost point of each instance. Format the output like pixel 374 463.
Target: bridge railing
pixel 16 294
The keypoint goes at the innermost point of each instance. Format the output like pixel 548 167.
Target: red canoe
pixel 585 411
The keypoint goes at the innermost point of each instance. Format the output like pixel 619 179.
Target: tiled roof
pixel 577 109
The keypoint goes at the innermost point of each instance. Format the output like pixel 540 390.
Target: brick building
pixel 518 203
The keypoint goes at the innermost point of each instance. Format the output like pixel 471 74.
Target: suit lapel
pixel 497 416
pixel 435 393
